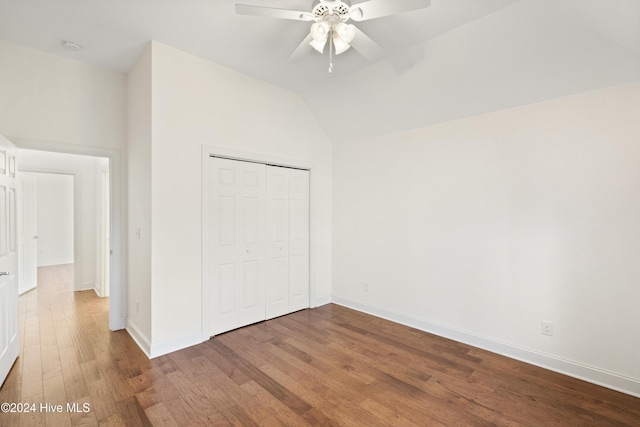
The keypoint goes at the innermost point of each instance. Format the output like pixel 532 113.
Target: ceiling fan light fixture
pixel 343 35
pixel 319 34
pixel 329 23
pixel 320 31
pixel 318 45
pixel 346 32
pixel 339 45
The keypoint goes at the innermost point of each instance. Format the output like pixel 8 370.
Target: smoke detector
pixel 74 47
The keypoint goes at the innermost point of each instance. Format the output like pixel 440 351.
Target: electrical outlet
pixel 547 328
pixel 366 287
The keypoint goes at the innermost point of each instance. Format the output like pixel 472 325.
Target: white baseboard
pixel 172 345
pixel 99 294
pixel 590 374
pixel 87 286
pixel 30 288
pixel 321 301
pixel 152 350
pixel 139 338
pixel 117 324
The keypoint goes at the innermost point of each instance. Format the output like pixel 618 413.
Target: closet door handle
pixel 4 273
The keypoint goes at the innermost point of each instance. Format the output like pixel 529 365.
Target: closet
pixel 258 242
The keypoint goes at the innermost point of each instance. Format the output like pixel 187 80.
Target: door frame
pixel 247 156
pixel 105 232
pixel 23 239
pixel 118 293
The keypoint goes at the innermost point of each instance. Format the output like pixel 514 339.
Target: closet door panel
pixel 236 232
pixel 277 244
pixel 288 245
pixel 298 240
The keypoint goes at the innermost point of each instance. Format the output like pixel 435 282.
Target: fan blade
pixel 302 49
pixel 272 12
pixel 365 46
pixel 373 9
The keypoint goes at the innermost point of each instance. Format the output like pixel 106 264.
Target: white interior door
pixel 9 341
pixel 236 232
pixel 27 232
pixel 105 276
pixel 287 257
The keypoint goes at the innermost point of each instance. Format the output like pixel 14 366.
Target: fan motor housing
pixel 336 8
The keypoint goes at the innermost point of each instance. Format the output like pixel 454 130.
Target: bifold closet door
pixel 287 257
pixel 258 258
pixel 236 249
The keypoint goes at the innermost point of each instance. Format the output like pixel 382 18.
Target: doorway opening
pixel 85 225
pixel 45 223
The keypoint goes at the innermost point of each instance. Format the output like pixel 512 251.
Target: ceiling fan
pixel 330 23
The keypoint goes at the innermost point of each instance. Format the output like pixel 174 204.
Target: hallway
pixel 66 354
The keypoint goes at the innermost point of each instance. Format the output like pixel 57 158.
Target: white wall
pixel 196 103
pixel 56 104
pixel 48 98
pixel 139 199
pixel 54 214
pixel 86 172
pixel 484 227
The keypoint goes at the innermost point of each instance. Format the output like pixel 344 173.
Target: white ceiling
pixel 454 59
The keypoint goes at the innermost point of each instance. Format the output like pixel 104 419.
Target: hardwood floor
pixel 326 366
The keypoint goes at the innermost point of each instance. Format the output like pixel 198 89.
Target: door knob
pixel 4 273
pixel 36 237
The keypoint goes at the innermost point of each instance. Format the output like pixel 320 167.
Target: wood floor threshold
pixel 329 366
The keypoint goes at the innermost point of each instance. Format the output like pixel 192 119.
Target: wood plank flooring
pixel 320 367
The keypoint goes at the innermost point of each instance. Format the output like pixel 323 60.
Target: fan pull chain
pixel 330 51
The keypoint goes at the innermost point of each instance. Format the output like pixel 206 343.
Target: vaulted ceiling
pixel 455 59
